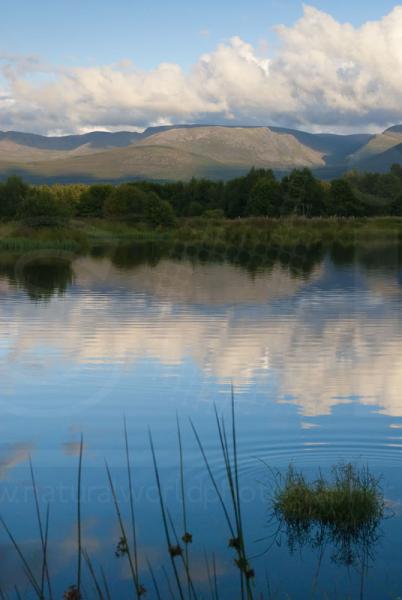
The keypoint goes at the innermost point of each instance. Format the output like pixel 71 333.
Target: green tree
pixel 303 194
pixel 158 212
pixel 237 191
pixel 396 170
pixel 12 195
pixel 194 209
pixel 396 207
pixel 265 198
pixel 42 209
pixel 92 200
pixel 343 200
pixel 126 202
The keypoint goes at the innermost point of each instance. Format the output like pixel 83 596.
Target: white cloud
pixel 325 75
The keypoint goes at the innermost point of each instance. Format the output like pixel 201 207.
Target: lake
pixel 311 342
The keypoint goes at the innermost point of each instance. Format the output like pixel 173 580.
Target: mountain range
pixel 183 151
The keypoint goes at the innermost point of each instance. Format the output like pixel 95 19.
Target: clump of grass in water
pixel 346 510
pixel 351 499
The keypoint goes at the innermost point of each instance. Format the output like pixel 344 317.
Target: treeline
pixel 259 194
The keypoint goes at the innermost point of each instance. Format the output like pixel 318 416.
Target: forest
pixel 258 194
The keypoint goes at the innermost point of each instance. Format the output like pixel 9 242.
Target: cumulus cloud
pixel 325 75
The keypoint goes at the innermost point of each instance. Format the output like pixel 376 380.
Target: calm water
pixel 312 343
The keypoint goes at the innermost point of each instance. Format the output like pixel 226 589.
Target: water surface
pixel 311 342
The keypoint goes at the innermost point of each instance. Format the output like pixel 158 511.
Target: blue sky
pixel 81 65
pixel 76 32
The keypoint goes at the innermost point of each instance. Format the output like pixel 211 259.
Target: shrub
pixel 41 209
pixel 126 202
pixel 92 200
pixel 12 194
pixel 158 212
pixel 214 213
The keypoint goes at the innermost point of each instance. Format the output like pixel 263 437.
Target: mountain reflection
pixel 318 340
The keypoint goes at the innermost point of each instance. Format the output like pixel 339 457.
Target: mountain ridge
pixel 170 152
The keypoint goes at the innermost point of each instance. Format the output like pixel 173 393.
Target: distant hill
pixel 184 151
pixel 381 163
pixel 377 145
pixel 240 146
pixel 150 162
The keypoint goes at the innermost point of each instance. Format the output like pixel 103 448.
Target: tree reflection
pixel 41 275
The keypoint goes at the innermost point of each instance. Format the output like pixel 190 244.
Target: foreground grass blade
pixel 27 568
pixel 93 575
pixel 134 574
pixel 79 532
pixel 131 494
pixel 210 583
pixel 105 584
pixel 154 581
pixel 187 537
pixel 169 585
pixel 213 480
pixel 192 591
pixel 45 571
pixel 164 519
pixel 45 550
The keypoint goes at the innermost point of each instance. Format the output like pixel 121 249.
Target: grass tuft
pixel 344 512
pixel 352 498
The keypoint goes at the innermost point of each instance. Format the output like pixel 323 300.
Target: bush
pixel 12 194
pixel 42 209
pixel 194 209
pixel 92 200
pixel 158 212
pixel 126 202
pixel 214 213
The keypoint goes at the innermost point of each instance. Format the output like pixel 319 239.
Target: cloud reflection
pixel 318 343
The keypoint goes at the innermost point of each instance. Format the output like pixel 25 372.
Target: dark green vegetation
pixel 180 152
pixel 345 510
pixel 158 205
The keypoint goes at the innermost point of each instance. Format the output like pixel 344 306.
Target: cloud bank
pixel 325 76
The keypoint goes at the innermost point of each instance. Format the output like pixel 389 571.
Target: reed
pixel 123 546
pixel 79 527
pixel 173 550
pixel 349 506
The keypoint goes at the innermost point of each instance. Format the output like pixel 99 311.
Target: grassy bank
pixel 80 235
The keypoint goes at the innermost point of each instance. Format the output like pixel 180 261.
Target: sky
pixel 74 66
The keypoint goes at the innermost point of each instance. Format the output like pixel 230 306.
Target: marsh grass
pixel 345 510
pixel 351 499
pixel 248 232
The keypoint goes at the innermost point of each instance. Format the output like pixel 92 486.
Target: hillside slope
pixel 240 146
pixel 150 162
pixel 183 151
pixel 382 163
pixel 377 145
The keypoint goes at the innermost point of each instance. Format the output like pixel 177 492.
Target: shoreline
pixel 83 234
